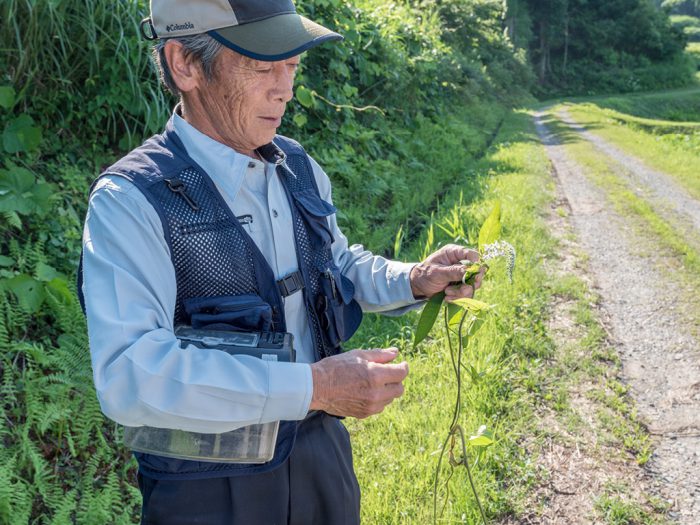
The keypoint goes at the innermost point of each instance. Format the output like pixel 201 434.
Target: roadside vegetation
pixel 413 118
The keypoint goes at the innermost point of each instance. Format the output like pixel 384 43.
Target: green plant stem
pixel 455 428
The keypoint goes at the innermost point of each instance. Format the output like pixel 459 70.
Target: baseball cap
pixel 263 30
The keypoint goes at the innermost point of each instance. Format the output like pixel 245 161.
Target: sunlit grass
pixel 396 453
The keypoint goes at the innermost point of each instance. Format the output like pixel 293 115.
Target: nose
pixel 284 82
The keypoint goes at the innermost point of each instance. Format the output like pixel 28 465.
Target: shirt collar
pixel 225 166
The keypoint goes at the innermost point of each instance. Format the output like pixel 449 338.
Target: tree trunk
pixel 544 51
pixel 566 40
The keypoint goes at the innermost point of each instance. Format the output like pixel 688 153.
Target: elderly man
pixel 219 220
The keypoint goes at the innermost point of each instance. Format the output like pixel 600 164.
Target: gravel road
pixel 670 199
pixel 650 329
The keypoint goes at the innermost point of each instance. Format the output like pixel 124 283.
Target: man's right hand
pixel 359 383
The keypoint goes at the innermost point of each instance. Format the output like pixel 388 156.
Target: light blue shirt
pixel 142 375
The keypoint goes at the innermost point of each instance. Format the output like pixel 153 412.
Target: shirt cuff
pixel 290 392
pixel 399 274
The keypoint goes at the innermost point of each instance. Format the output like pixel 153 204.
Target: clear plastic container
pixel 251 444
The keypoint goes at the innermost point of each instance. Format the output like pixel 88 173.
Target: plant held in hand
pixel 467 315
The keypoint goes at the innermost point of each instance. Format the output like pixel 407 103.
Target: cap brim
pixel 276 38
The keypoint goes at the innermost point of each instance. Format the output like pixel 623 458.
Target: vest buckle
pixel 290 284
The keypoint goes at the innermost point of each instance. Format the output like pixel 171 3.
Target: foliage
pixel 690 25
pixel 582 46
pixel 80 69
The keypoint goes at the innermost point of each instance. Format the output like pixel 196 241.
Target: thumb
pixel 379 355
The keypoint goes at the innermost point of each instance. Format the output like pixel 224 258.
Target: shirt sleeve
pixel 381 285
pixel 142 375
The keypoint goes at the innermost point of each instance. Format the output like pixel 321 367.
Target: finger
pixel 451 291
pixel 470 255
pixel 379 355
pixel 453 253
pixel 461 292
pixel 478 279
pixel 448 274
pixel 390 373
pixel 394 390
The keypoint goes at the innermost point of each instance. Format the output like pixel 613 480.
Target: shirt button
pixel 274 213
pixel 251 164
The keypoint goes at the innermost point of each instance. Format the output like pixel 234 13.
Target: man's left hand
pixel 443 271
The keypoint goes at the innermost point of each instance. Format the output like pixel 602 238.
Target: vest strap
pixel 290 284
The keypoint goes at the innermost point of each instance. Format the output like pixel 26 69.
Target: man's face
pixel 246 99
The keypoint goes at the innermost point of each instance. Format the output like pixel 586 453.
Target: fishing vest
pixel 222 277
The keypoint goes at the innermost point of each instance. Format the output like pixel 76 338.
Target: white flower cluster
pixel 501 249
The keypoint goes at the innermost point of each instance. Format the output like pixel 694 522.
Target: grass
pixel 396 454
pixel 521 370
pixel 644 127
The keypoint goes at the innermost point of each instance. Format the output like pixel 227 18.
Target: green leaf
pixel 6 261
pixel 29 292
pixel 475 325
pixel 398 241
pixel 7 97
pixel 454 314
pixel 58 288
pixel 41 196
pixel 472 305
pixel 21 135
pixel 428 317
pixel 483 437
pixel 305 97
pixel 300 120
pixel 491 229
pixel 45 273
pixel 12 219
pixel 16 185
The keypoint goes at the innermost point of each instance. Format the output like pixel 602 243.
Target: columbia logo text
pixel 179 27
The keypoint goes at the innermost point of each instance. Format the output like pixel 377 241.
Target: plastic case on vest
pixel 250 444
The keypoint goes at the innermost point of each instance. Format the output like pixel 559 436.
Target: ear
pixel 185 72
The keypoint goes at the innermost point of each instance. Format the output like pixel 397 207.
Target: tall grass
pixel 82 66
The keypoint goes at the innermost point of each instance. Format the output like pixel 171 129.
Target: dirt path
pixel 660 358
pixel 670 200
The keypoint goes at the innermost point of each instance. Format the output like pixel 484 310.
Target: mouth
pixel 274 121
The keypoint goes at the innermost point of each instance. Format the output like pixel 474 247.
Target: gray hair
pixel 203 49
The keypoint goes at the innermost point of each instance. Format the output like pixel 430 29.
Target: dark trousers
pixel 315 486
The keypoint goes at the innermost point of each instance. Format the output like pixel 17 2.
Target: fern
pixel 16 496
pixel 63 513
pixel 13 219
pixel 4 332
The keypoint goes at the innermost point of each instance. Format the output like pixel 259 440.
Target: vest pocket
pixel 229 312
pixel 339 313
pixel 314 211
